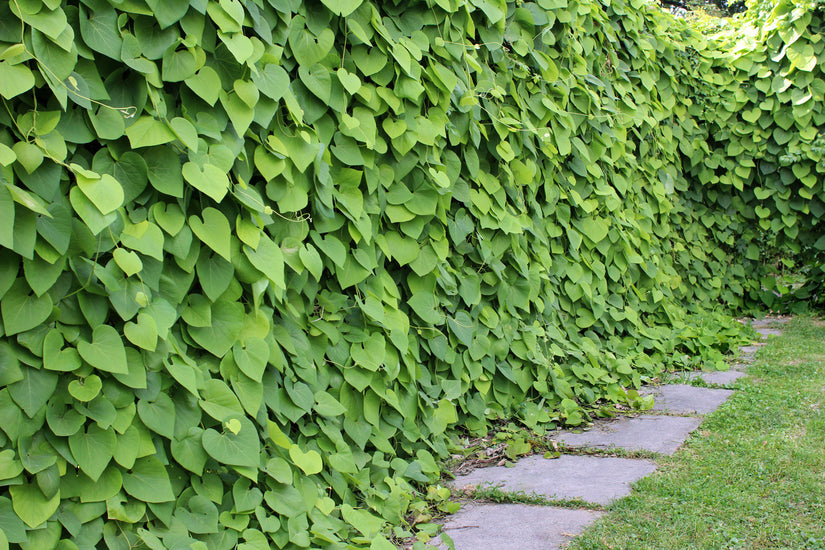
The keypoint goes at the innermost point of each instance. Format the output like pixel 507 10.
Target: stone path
pixel 595 480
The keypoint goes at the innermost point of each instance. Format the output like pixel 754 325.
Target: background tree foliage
pixel 257 258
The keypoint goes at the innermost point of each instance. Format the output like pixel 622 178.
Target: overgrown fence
pixel 259 260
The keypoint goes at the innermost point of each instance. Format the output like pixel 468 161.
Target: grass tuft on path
pixel 751 477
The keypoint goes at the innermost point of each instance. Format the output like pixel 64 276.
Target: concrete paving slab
pixel 769 321
pixel 516 526
pixel 716 377
pixel 765 332
pixel 747 354
pixel 598 480
pixel 658 434
pixel 684 399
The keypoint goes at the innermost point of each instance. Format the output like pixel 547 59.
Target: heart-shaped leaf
pixel 58 359
pixel 234 449
pixel 148 481
pixel 214 231
pixel 350 81
pixel 342 7
pixel 309 462
pixel 14 79
pixel 158 415
pixel 185 132
pixel 85 389
pixel 272 81
pixel 106 351
pixel 22 310
pixel 307 48
pixel 188 451
pixel 31 505
pixel 206 83
pixel 252 358
pixel 394 128
pixel 144 333
pixel 169 217
pixel 93 449
pixel 210 180
pixel 89 213
pixel 318 80
pixel 34 390
pixel 128 261
pixel 227 322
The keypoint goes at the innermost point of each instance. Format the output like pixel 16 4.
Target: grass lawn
pixel 752 476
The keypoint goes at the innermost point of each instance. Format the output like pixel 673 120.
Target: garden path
pixel 584 478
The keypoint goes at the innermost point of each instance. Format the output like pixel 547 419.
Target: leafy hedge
pixel 756 187
pixel 258 258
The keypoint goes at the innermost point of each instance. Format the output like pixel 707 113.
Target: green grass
pixel 487 492
pixel 751 477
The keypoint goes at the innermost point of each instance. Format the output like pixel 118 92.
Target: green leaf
pixel 186 132
pixel 31 505
pixel 210 180
pixel 342 7
pixel 14 79
pixel 308 48
pixel 148 131
pixel 214 274
pixel 269 259
pixel 272 81
pixel 164 170
pixel 89 213
pixel 42 275
pixel 56 358
pixel 227 322
pixel 309 462
pixel 99 29
pixel 106 351
pixel 9 365
pixel 213 230
pixel 144 333
pixel 200 516
pixel 93 449
pixel 29 156
pixel 218 401
pixel 318 80
pixel 594 229
pixel 368 524
pixel 145 237
pixel 148 481
pixel 128 261
pixel 252 358
pixel 312 261
pixel 10 466
pixel 62 419
pixel 327 405
pixel 22 311
pixel 240 114
pixel 178 65
pixel 207 84
pixel 85 389
pixel 425 306
pixel 107 486
pixel 234 449
pixel 188 451
pixel 6 218
pixel 369 354
pixel 158 415
pixel 168 12
pixel 104 192
pixel 28 200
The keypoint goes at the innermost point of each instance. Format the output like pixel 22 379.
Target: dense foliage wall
pixel 257 258
pixel 754 185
